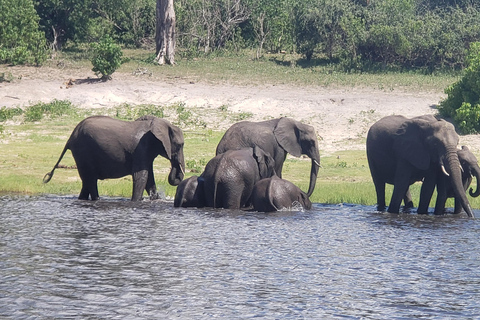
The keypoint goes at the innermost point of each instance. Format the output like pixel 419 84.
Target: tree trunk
pixel 165 32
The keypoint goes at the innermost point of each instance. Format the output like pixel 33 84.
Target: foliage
pixel 463 101
pixel 106 57
pixel 129 112
pixel 9 113
pixel 53 109
pixel 21 41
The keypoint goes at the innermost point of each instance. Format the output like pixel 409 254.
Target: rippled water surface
pixel 113 259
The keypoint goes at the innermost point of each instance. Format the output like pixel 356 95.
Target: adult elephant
pixel 470 169
pixel 278 137
pixel 190 193
pixel 401 151
pixel 105 148
pixel 275 193
pixel 229 177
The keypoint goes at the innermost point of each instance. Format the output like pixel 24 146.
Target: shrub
pixel 53 109
pixel 107 57
pixel 463 101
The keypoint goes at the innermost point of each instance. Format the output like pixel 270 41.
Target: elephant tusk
pixel 316 162
pixel 445 171
pixel 461 168
pixel 181 169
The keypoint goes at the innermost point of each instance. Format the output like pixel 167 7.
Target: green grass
pixel 272 69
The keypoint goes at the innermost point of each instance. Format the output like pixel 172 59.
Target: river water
pixel 114 259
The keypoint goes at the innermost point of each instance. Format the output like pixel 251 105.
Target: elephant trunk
pixel 476 173
pixel 313 175
pixel 177 172
pixel 456 177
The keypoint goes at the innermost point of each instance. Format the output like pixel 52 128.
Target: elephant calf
pixel 190 193
pixel 274 194
pixel 229 177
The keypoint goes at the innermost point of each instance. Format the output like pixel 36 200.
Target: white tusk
pixel 461 168
pixel 181 169
pixel 316 162
pixel 445 171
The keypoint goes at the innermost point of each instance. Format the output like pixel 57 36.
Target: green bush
pixel 106 58
pixel 463 101
pixel 52 109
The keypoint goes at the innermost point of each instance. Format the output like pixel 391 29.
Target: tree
pixel 165 32
pixel 21 41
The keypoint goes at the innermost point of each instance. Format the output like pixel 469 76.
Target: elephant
pixel 105 148
pixel 401 151
pixel 275 193
pixel 278 137
pixel 470 169
pixel 229 177
pixel 190 193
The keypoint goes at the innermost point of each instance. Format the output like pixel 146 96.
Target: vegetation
pixel 106 57
pixel 463 101
pixel 357 35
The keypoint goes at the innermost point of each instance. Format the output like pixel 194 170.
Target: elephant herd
pixel 246 171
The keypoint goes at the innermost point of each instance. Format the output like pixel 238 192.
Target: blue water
pixel 113 259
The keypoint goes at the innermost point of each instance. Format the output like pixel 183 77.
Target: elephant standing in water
pixel 190 193
pixel 278 137
pixel 229 177
pixel 273 194
pixel 470 168
pixel 106 148
pixel 401 151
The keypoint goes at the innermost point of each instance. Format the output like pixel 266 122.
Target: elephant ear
pixel 408 143
pixel 286 133
pixel 163 130
pixel 266 164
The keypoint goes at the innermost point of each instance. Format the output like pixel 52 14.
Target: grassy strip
pixel 28 150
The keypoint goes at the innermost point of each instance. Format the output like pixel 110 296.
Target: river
pixel 114 259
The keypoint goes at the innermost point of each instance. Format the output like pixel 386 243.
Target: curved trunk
pixel 456 177
pixel 313 175
pixel 476 173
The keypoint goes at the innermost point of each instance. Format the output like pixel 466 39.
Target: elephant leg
pixel 458 206
pixel 150 187
pixel 400 188
pixel 426 193
pixel 139 183
pixel 407 200
pixel 441 196
pixel 89 189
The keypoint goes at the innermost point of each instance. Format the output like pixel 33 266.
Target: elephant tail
pixel 49 175
pixel 270 194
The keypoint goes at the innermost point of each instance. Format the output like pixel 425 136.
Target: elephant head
pixel 297 138
pixel 171 137
pixel 470 168
pixel 190 193
pixel 427 143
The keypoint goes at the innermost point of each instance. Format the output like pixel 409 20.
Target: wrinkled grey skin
pixel 275 193
pixel 107 148
pixel 470 169
pixel 401 151
pixel 278 137
pixel 229 177
pixel 190 193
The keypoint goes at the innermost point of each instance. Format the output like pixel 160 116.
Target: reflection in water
pixel 64 258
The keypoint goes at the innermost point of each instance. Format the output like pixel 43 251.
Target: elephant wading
pixel 470 169
pixel 278 137
pixel 190 193
pixel 274 194
pixel 401 151
pixel 106 148
pixel 229 177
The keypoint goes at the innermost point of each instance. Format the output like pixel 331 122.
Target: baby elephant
pixel 190 193
pixel 273 194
